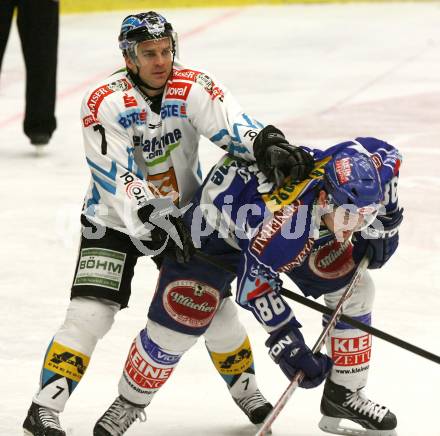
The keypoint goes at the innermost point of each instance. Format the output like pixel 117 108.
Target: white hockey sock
pixel 68 354
pixel 147 368
pixel 350 350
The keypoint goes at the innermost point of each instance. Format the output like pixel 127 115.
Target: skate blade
pixel 39 151
pixel 334 426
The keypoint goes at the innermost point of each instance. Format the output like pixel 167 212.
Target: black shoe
pixel 118 418
pixel 41 421
pixel 340 403
pixel 39 138
pixel 256 407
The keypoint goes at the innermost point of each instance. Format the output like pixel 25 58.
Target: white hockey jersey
pixel 122 134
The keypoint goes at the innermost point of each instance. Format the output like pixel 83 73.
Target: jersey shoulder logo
pixel 98 95
pixel 203 79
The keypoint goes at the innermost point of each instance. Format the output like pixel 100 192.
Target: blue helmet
pixel 352 179
pixel 142 27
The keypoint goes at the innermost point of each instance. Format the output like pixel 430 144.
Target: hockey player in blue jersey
pixel 315 231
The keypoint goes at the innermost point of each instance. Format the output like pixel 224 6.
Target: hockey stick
pixel 345 318
pixel 282 401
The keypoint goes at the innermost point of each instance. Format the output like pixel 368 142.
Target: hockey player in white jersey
pixel 141 130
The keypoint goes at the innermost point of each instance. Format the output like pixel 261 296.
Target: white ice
pixel 322 73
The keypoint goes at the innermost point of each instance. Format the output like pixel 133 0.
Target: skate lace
pixel 358 401
pixel 252 402
pixel 120 415
pixel 49 418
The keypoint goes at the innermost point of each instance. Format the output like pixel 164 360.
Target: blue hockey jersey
pixel 278 230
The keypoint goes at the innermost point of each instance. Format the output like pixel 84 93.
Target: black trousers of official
pixel 37 22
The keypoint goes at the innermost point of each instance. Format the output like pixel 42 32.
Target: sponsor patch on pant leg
pixel 100 267
pixel 191 303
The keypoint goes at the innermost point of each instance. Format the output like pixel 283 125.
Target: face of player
pixel 154 62
pixel 342 220
pixel 341 223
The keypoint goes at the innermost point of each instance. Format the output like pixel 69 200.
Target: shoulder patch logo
pixel 185 74
pixel 89 120
pixel 120 85
pixel 99 94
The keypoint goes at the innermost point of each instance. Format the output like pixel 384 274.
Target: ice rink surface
pixel 323 74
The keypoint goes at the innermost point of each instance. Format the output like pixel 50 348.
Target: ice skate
pixel 339 403
pixel 118 418
pixel 255 406
pixel 40 139
pixel 42 421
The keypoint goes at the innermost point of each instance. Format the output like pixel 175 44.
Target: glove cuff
pixel 285 338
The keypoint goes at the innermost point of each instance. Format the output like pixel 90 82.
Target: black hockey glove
pixel 169 229
pixel 380 241
pixel 277 159
pixel 288 349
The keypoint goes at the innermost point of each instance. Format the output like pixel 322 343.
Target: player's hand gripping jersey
pixel 281 231
pixel 127 142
